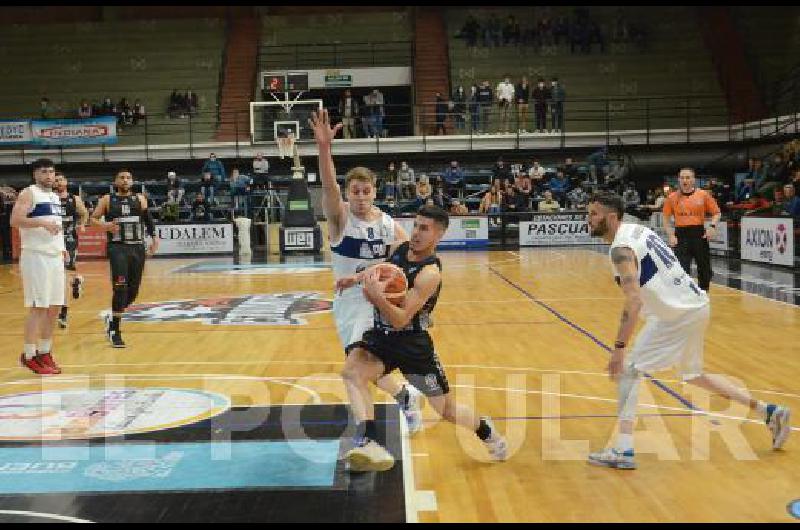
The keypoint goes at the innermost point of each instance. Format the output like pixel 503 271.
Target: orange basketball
pixel 397 286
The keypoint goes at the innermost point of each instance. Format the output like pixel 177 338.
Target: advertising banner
pixel 195 238
pixel 769 240
pixel 556 229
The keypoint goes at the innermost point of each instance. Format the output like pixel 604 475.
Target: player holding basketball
pixel 125 213
pixel 37 215
pixel 360 235
pixel 677 312
pixel 74 217
pixel 400 340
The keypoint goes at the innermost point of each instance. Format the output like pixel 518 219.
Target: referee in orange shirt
pixel 690 207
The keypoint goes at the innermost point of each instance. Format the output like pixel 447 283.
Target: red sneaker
pixel 46 359
pixel 35 366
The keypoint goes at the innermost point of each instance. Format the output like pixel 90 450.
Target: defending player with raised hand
pixel 400 340
pixel 126 218
pixel 677 313
pixel 360 234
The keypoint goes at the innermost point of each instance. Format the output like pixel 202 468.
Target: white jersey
pixel 45 205
pixel 667 291
pixel 362 243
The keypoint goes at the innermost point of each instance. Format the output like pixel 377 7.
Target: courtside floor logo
pixel 278 309
pixel 81 414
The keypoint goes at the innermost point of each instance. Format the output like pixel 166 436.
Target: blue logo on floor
pixel 168 466
pixel 794 508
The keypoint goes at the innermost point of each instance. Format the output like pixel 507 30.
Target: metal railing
pixel 337 54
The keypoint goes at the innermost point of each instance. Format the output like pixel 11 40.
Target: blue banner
pixel 90 131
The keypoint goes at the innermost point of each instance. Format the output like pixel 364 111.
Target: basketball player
pixel 125 214
pixel 677 312
pixel 73 217
pixel 360 235
pixel 690 239
pixel 37 215
pixel 400 340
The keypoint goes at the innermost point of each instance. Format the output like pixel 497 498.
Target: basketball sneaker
pixel 368 455
pixel 34 365
pixel 611 457
pixel 496 444
pixel 778 423
pixel 116 339
pixel 46 359
pixel 62 321
pixel 77 287
pixel 413 410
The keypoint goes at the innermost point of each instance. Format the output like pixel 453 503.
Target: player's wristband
pixel 619 345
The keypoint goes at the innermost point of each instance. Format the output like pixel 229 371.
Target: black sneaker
pixel 116 339
pixel 62 322
pixel 77 287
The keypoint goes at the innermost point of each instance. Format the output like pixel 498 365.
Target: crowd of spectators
pixel 182 104
pixel 369 112
pixel 581 31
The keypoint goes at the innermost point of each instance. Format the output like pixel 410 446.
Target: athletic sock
pixel 624 442
pixel 63 313
pixel 45 346
pixel 483 431
pixel 366 430
pixel 770 409
pixel 402 397
pixel 30 350
pixel 115 323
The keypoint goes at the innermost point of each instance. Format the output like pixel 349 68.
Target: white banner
pixel 15 132
pixel 769 240
pixel 195 239
pixel 720 241
pixel 556 229
pixel 464 231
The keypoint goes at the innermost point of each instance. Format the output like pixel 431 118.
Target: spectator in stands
pixel 505 100
pixel 491 201
pixel 578 199
pixel 536 173
pixel 522 95
pixel 510 201
pixel 473 102
pixel 470 31
pixel 84 111
pixel 755 204
pixel 453 179
pixel 108 108
pixel 549 204
pixel 796 181
pixel 201 208
pixel 97 110
pixel 125 112
pixel 241 185
pixel 406 182
pixel 485 100
pixel 380 111
pixel 390 181
pixel 424 190
pixel 777 173
pixel 541 94
pixel 260 166
pixel 175 184
pixel 44 107
pixel 598 161
pixel 207 187
pixel 170 210
pixel 456 208
pixel 559 186
pixel 8 197
pixel 501 173
pixel 440 109
pixel 557 96
pixel 138 112
pixel 571 171
pixel 439 197
pixel 791 202
pixel 175 104
pixel 215 167
pixel 192 103
pixel 459 101
pixel 523 189
pixel 492 32
pixel 511 31
pixel 655 202
pixel 631 199
pixel 745 190
pixel 349 112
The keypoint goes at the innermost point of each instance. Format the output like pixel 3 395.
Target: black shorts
pixel 413 354
pixel 127 265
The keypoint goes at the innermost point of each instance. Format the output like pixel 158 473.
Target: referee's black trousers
pixel 692 245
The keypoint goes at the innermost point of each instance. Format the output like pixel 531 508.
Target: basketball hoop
pixel 285 145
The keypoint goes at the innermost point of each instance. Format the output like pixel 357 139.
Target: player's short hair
pixel 361 174
pixel 122 170
pixel 435 213
pixel 41 163
pixel 687 169
pixel 610 200
pixel 60 174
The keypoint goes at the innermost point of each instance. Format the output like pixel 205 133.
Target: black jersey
pixel 422 320
pixel 128 212
pixel 69 219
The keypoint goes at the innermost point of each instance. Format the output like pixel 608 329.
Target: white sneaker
pixel 779 425
pixel 106 317
pixel 371 456
pixel 62 322
pixel 413 410
pixel 613 458
pixel 496 444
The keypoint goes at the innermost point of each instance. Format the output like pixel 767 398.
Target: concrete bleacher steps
pixel 143 59
pixel 239 79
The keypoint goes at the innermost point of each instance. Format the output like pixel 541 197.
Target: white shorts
pixel 663 344
pixel 354 316
pixel 42 279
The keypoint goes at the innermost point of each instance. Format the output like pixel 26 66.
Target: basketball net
pixel 285 145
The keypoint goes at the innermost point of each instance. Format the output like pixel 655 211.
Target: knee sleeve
pixel 628 393
pixel 119 301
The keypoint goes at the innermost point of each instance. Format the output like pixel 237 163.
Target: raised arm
pixel 332 203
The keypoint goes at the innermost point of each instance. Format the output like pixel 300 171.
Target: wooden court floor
pixel 521 336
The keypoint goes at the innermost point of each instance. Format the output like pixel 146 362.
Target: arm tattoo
pixel 620 255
